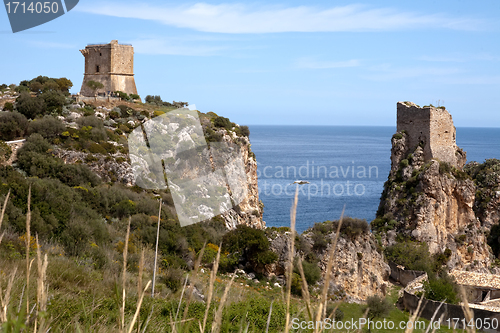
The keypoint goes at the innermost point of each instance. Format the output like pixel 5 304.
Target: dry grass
pixel 213 276
pixel 321 311
pixel 218 315
pixel 469 315
pixel 124 279
pixel 28 264
pixel 291 255
pixel 2 214
pixel 314 309
pixel 156 252
pixel 41 292
pixel 5 297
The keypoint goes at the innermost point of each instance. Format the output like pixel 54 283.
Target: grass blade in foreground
pixel 291 250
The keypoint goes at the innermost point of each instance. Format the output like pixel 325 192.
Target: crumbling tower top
pixel 432 128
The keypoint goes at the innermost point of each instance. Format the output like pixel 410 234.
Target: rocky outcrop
pixel 110 168
pixel 117 167
pixel 358 271
pixel 250 210
pixel 432 201
pixel 487 179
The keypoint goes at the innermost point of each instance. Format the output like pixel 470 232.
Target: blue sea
pixel 346 166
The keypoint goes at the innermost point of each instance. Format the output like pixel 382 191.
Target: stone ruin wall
pixel 122 59
pixel 432 126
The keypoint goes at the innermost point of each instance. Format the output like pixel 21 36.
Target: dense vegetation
pixel 71 205
pixel 81 223
pixel 415 256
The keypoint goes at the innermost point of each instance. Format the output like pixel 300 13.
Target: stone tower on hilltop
pixel 433 129
pixel 110 64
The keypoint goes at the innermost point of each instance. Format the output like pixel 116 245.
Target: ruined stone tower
pixel 433 129
pixel 110 64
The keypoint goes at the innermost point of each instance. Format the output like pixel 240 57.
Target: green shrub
pixel 12 125
pixel 245 131
pixel 353 227
pixel 494 239
pixel 250 243
pixel 153 100
pixel 125 208
pixel 209 254
pixel 320 242
pixel 441 288
pixel 397 136
pixel 173 279
pixel 312 272
pixel 296 285
pixel 213 136
pixel 378 307
pixel 460 239
pixel 339 314
pixel 254 313
pixel 48 127
pixel 411 255
pixel 5 152
pixel 223 122
pixel 34 158
pixel 122 95
pixel 403 163
pixel 134 96
pixel 54 100
pixel 8 106
pixel 96 148
pixel 29 106
pixel 444 167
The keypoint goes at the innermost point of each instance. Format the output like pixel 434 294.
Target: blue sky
pixel 284 62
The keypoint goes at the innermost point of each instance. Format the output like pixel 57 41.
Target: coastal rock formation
pixel 250 209
pixel 428 197
pixel 358 271
pixel 108 168
pixel 117 167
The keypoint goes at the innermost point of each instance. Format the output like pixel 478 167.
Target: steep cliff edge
pixel 429 199
pixel 114 164
pixel 358 270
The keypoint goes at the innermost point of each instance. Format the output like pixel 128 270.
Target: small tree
pixel 5 152
pixel 378 307
pixel 64 84
pixel 94 85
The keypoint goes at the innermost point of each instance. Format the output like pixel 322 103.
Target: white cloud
pixel 388 73
pixel 460 58
pixel 240 18
pixel 475 80
pixel 162 46
pixel 441 59
pixel 315 64
pixel 52 45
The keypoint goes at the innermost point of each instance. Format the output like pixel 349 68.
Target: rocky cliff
pixel 432 201
pixel 359 269
pixel 118 166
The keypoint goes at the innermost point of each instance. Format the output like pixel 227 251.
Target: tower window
pixel 97 69
pixel 100 54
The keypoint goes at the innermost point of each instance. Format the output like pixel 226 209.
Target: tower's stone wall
pixel 433 129
pixel 110 64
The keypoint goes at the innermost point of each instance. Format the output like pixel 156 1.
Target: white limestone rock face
pixel 358 271
pixel 432 201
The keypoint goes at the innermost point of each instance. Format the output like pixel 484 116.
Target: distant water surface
pixel 344 165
